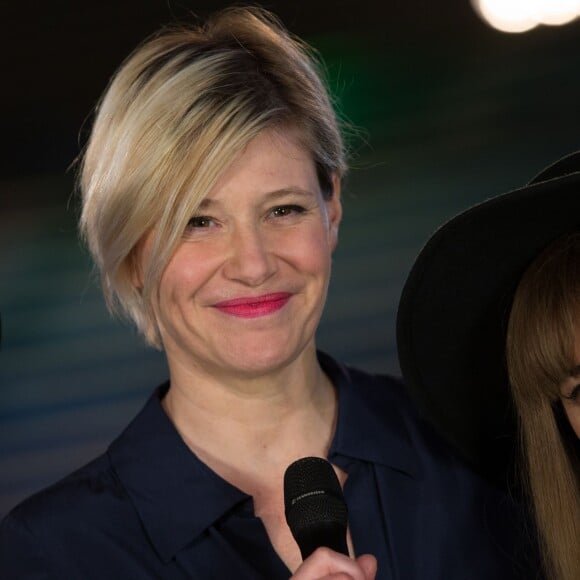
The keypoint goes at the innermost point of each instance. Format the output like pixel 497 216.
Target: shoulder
pixel 383 389
pixel 380 422
pixel 379 387
pixel 45 526
pixel 408 441
pixel 84 494
pixel 388 399
pixel 445 488
pixel 91 494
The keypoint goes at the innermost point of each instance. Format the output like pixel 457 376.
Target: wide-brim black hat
pixel 452 317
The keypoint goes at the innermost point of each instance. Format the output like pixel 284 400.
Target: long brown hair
pixel 543 326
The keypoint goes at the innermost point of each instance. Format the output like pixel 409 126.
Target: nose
pixel 251 260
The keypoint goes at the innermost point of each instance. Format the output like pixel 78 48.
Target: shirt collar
pixel 176 495
pixel 371 424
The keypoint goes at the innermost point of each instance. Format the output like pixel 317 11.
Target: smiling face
pixel 244 291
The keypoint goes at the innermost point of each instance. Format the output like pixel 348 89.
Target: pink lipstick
pixel 254 306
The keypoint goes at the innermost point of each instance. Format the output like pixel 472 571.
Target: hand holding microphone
pixel 324 564
pixel 317 516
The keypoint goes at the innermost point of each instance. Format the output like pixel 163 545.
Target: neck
pixel 245 427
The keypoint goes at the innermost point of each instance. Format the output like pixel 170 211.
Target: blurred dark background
pixel 450 111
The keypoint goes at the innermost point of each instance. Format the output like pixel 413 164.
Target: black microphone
pixel 314 505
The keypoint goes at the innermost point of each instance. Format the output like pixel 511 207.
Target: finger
pixel 327 564
pixel 369 565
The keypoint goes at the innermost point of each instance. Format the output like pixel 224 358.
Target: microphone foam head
pixel 315 508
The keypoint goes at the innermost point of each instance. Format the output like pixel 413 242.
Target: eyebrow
pixel 574 371
pixel 270 196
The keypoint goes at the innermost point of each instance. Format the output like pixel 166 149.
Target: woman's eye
pixel 574 394
pixel 286 210
pixel 199 221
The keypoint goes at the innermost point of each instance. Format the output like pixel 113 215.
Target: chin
pixel 263 358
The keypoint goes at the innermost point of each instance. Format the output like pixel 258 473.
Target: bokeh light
pixel 516 16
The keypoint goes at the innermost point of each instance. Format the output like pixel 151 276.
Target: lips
pixel 254 306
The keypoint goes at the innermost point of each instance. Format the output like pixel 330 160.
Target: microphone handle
pixel 328 534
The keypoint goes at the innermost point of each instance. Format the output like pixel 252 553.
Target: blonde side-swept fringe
pixel 172 119
pixel 542 330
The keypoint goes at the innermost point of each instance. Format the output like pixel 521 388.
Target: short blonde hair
pixel 175 115
pixel 542 331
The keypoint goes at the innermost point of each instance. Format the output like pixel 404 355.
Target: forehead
pixel 272 161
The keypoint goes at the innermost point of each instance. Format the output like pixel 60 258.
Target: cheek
pixel 312 251
pixel 179 279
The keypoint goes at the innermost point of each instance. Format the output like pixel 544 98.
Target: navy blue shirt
pixel 148 508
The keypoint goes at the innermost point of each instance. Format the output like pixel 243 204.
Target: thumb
pixel 369 565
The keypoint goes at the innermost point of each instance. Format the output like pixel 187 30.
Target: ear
pixel 136 263
pixel 334 208
pixel 136 271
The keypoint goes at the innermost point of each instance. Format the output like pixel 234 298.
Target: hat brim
pixel 452 317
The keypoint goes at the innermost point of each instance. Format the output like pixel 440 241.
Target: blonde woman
pixel 504 277
pixel 211 205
